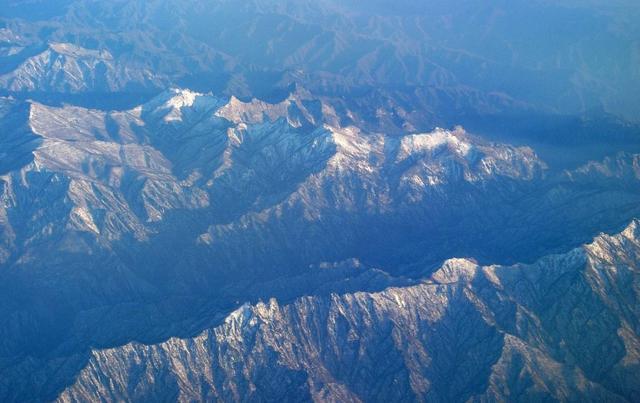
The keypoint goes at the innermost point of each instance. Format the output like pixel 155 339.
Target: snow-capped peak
pixel 175 100
pixel 182 98
pixel 429 142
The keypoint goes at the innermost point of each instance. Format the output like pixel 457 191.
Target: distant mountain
pixel 468 56
pixel 64 67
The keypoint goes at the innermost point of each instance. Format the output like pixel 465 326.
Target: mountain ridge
pixel 258 336
pixel 319 200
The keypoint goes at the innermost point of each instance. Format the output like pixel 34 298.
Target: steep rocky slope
pixel 566 327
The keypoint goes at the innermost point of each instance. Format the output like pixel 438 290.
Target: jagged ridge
pixel 565 327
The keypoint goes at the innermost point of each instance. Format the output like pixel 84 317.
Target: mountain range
pixel 280 200
pixel 195 199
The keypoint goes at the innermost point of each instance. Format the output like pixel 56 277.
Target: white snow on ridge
pixel 428 142
pixel 74 51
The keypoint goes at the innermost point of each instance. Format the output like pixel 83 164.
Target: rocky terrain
pixel 563 328
pixel 323 200
pixel 204 202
